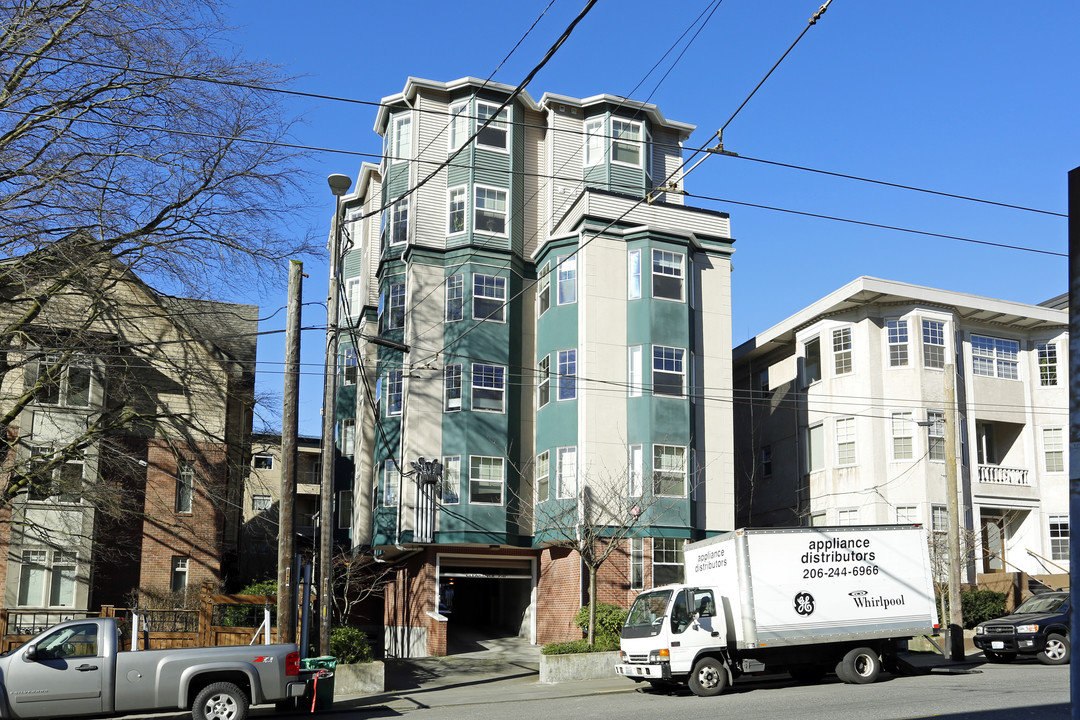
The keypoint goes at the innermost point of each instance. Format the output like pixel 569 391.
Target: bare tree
pixel 139 157
pixel 357 578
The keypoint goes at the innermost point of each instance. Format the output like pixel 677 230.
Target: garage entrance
pixel 485 598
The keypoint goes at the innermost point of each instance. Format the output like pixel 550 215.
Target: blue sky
pixel 975 99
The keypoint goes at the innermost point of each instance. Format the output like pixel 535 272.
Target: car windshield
pixel 1041 604
pixel 648 609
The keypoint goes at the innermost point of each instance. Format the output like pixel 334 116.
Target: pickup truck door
pixel 61 674
pixel 694 625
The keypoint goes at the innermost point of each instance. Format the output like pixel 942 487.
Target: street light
pixel 339 185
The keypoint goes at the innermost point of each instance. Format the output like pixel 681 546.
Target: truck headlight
pixel 980 630
pixel 659 656
pixel 1027 628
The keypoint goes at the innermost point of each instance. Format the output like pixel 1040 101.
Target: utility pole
pixel 1074 418
pixel 339 185
pixel 290 423
pixel 956 618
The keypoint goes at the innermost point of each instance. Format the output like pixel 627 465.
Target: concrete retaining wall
pixel 577 666
pixel 359 678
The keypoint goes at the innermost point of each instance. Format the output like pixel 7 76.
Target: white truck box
pixel 806 599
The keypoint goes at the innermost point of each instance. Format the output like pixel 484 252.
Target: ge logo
pixel 804 603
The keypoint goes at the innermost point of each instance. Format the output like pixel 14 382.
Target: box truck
pixel 808 600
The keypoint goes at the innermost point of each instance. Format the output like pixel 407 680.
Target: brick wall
pixel 558 595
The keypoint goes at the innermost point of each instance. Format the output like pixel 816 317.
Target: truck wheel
pixel 859 667
pixel 1057 650
pixel 220 701
pixel 999 657
pixel 708 678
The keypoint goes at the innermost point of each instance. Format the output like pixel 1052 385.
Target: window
pixel 394 394
pixel 455 210
pixel 32 577
pixel 489 215
pixel 896 332
pixel 352 297
pixel 841 345
pixel 543 384
pixel 594 141
pixel 1048 374
pixel 633 275
pixel 566 279
pixel 566 472
pixel 907 514
pixel 935 435
pixel 818 520
pixel 391 484
pixel 994 357
pixel 488 387
pixel 815 447
pixel 567 374
pixel 185 486
pixel 494 135
pixel 396 316
pixel 637 563
pixel 399 223
pixel 489 298
pixel 262 461
pixel 903 447
pixel 762 382
pixel 71 642
pixel 1054 449
pixel 543 476
pixel 62 587
pixel 455 297
pixel 452 388
pixel 765 460
pixel 66 385
pixel 636 475
pixel 669 371
pixel 485 480
pixel 667 561
pixel 348 437
pixel 626 145
pixel 349 365
pixel 459 125
pixel 669 470
pixel 847 517
pixel 812 361
pixel 261 503
pixel 543 291
pixel 62 482
pixel 933 344
pixel 667 275
pixel 344 509
pixel 635 376
pixel 451 480
pixel 939 518
pixel 845 441
pixel 178 581
pixel 402 143
pixel 1059 537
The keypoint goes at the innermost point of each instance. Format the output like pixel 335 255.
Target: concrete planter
pixel 578 666
pixel 359 678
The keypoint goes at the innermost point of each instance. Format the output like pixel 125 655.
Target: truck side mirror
pixel 30 653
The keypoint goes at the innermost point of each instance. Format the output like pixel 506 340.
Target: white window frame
pixel 451 480
pixel 1053 440
pixel 261 502
pixel 844 436
pixel 907 514
pixel 637 563
pixel 663 267
pixel 180 573
pixel 350 366
pixel 401 147
pixel 567 375
pixel 348 437
pixel 493 379
pixel 489 288
pixel 662 472
pixel 399 213
pixel 633 274
pixel 933 344
pixel 815 447
pixel 635 481
pixel 487 193
pixel 476 476
pixel 391 484
pixel 1047 357
pixel 185 487
pixel 266 458
pixel 847 517
pixel 566 277
pixel 543 381
pixel 668 554
pixel 843 362
pixel 935 435
pixel 902 432
pixel 897 342
pixel 501 123
pixel 594 142
pixel 395 393
pixel 619 144
pixel 672 361
pixel 1058 531
pixel 452 377
pixel 566 472
pixel 352 297
pixel 344 509
pixel 995 357
pixel 543 290
pixel 635 370
pixel 542 484
pixel 939 519
pixel 809 378
pixel 63 392
pixel 457 206
pixel 458 130
pixel 395 306
pixel 455 298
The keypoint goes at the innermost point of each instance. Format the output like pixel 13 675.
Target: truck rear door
pixel 61 674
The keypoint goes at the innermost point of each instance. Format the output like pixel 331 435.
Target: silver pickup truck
pixel 78 668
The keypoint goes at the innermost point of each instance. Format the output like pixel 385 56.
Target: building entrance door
pixel 993 543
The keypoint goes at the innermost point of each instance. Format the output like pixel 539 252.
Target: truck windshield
pixel 1041 604
pixel 646 615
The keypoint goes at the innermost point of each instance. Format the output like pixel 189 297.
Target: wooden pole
pixel 290 423
pixel 956 618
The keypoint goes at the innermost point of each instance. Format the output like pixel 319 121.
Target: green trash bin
pixel 322 680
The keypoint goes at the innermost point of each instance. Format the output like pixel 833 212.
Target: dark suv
pixel 1040 627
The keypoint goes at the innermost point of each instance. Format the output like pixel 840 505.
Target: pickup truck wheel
pixel 708 678
pixel 1056 651
pixel 860 666
pixel 999 657
pixel 220 701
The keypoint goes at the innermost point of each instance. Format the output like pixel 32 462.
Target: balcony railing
pixel 997 475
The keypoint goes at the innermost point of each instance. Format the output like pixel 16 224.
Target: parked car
pixel 1039 626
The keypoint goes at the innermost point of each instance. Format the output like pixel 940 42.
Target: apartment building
pixel 528 299
pixel 840 419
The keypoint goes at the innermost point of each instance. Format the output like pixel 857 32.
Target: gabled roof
pixel 870 291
